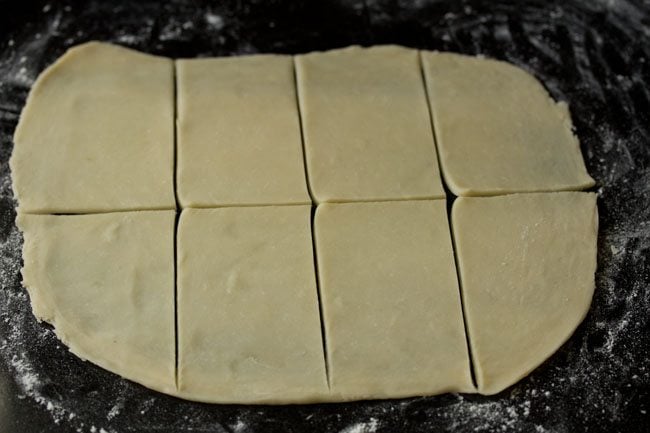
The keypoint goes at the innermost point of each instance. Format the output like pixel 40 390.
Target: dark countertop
pixel 593 54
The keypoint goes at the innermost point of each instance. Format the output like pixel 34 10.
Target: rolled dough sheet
pixel 106 283
pixel 527 264
pixel 248 319
pixel 390 300
pixel 366 125
pixel 239 132
pixel 497 129
pixel 96 134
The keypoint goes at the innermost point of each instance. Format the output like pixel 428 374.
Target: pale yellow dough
pixel 527 264
pixel 106 283
pixel 390 300
pixel 248 318
pixel 96 134
pixel 497 129
pixel 239 132
pixel 366 125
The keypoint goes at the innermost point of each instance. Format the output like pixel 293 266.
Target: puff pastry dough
pixel 527 265
pixel 97 134
pixel 497 129
pixel 106 283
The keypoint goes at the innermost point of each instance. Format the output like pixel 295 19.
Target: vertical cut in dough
pixel 97 134
pixel 106 283
pixel 527 264
pixel 366 125
pixel 239 132
pixel 390 300
pixel 498 131
pixel 248 318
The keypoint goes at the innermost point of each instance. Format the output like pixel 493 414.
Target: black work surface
pixel 593 54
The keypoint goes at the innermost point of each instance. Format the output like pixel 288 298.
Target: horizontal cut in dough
pixel 366 125
pixel 497 129
pixel 248 318
pixel 106 283
pixel 390 300
pixel 96 134
pixel 239 132
pixel 527 264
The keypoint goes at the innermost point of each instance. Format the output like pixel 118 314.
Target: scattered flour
pixel 362 427
pixel 214 21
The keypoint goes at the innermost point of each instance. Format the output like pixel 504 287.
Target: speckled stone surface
pixel 593 54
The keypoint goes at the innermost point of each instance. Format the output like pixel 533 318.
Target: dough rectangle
pixel 498 131
pixel 106 284
pixel 366 125
pixel 248 317
pixel 390 300
pixel 97 134
pixel 527 265
pixel 239 137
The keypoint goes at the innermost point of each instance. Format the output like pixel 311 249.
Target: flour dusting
pixel 362 427
pixel 215 21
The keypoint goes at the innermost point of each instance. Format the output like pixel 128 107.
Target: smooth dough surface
pixel 366 125
pixel 239 132
pixel 96 134
pixel 527 265
pixel 390 300
pixel 106 283
pixel 248 319
pixel 498 130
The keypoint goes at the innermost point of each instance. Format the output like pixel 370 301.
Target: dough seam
pixel 176 220
pixel 301 126
pixel 434 134
pixel 468 338
pixel 321 315
pixel 227 206
pixel 97 212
